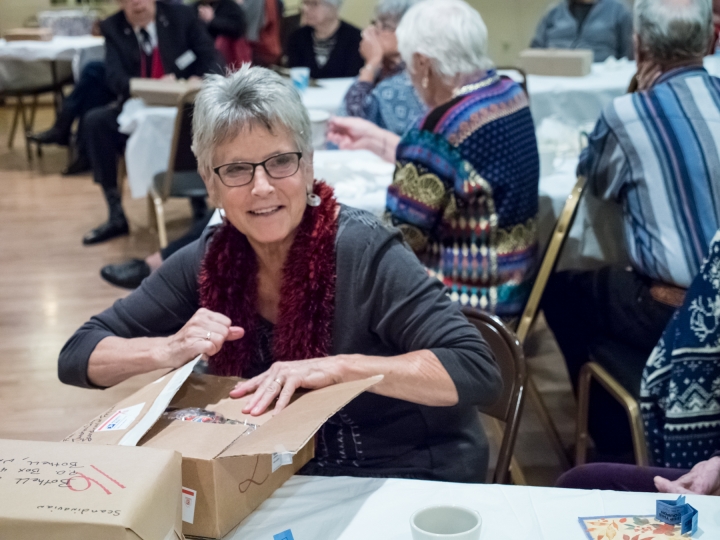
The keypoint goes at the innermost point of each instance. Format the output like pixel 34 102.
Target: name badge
pixel 185 59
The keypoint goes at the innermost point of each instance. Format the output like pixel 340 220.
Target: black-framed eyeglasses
pixel 241 173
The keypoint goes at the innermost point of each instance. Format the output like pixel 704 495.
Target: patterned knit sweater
pixel 465 195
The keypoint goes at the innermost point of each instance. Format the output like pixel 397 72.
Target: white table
pixel 360 179
pixel 18 57
pixel 151 128
pixel 345 508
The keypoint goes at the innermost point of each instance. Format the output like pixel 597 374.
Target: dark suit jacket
pixel 229 20
pixel 344 60
pixel 178 31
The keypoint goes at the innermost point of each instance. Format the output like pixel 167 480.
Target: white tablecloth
pixel 377 509
pixel 22 62
pixel 360 179
pixel 150 129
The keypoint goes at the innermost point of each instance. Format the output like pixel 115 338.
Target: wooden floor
pixel 50 285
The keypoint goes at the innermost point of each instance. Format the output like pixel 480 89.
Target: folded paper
pixel 678 512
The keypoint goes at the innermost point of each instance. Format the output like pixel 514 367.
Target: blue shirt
pixel 607 30
pixel 657 152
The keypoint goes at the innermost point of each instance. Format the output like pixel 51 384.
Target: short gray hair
pixel 251 96
pixel 674 29
pixel 449 32
pixel 336 3
pixel 393 9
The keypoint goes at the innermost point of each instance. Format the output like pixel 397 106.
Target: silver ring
pixel 207 336
pixel 279 382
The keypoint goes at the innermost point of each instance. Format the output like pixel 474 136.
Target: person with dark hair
pixel 221 17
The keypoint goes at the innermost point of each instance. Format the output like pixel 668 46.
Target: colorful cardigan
pixel 465 194
pixel 680 390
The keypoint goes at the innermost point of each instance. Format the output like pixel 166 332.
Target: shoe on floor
pixel 80 165
pixel 127 275
pixel 106 231
pixel 51 136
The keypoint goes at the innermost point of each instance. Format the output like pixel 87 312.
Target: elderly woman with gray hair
pixel 326 45
pixel 465 192
pixel 294 291
pixel 383 92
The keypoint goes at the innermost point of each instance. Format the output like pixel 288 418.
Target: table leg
pixel 57 90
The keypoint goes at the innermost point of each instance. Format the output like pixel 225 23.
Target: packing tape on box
pixel 678 513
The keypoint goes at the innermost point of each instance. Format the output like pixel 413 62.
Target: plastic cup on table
pixel 446 522
pixel 300 77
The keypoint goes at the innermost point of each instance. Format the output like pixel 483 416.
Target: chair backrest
pixel 549 261
pixel 181 155
pixel 511 361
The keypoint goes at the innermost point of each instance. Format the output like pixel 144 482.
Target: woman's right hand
pixel 205 333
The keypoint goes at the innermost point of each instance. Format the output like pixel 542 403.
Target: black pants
pixel 90 92
pixel 105 144
pixel 610 314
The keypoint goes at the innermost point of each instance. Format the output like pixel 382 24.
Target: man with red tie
pixel 144 39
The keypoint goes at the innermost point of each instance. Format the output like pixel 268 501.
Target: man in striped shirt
pixel 656 152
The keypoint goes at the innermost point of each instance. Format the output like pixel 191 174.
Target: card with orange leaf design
pixel 629 528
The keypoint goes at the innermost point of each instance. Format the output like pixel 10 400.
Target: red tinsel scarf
pixel 228 285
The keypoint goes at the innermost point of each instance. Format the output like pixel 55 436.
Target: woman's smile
pixel 266 211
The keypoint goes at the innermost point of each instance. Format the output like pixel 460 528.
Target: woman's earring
pixel 312 199
pixel 425 82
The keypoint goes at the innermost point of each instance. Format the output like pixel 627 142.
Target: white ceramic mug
pixel 318 123
pixel 449 522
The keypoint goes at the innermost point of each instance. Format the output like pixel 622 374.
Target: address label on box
pixel 189 496
pixel 122 419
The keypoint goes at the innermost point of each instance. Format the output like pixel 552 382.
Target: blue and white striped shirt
pixel 658 153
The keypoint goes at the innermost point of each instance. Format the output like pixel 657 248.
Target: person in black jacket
pixel 328 46
pixel 221 17
pixel 144 39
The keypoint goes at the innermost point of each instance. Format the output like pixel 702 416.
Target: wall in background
pixel 511 23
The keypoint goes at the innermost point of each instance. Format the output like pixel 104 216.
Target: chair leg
pixel 516 473
pixel 121 175
pixel 548 424
pixel 15 120
pixel 160 214
pixel 581 434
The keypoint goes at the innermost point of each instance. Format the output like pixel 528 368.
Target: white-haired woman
pixel 465 191
pixel 296 291
pixel 326 45
pixel 383 92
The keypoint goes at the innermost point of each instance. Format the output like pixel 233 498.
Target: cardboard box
pixel 28 34
pixel 227 469
pixel 68 491
pixel 160 92
pixel 558 62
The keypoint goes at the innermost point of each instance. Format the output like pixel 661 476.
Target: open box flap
pixel 125 423
pixel 293 427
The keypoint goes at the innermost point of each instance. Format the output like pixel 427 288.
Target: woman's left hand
pixel 283 378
